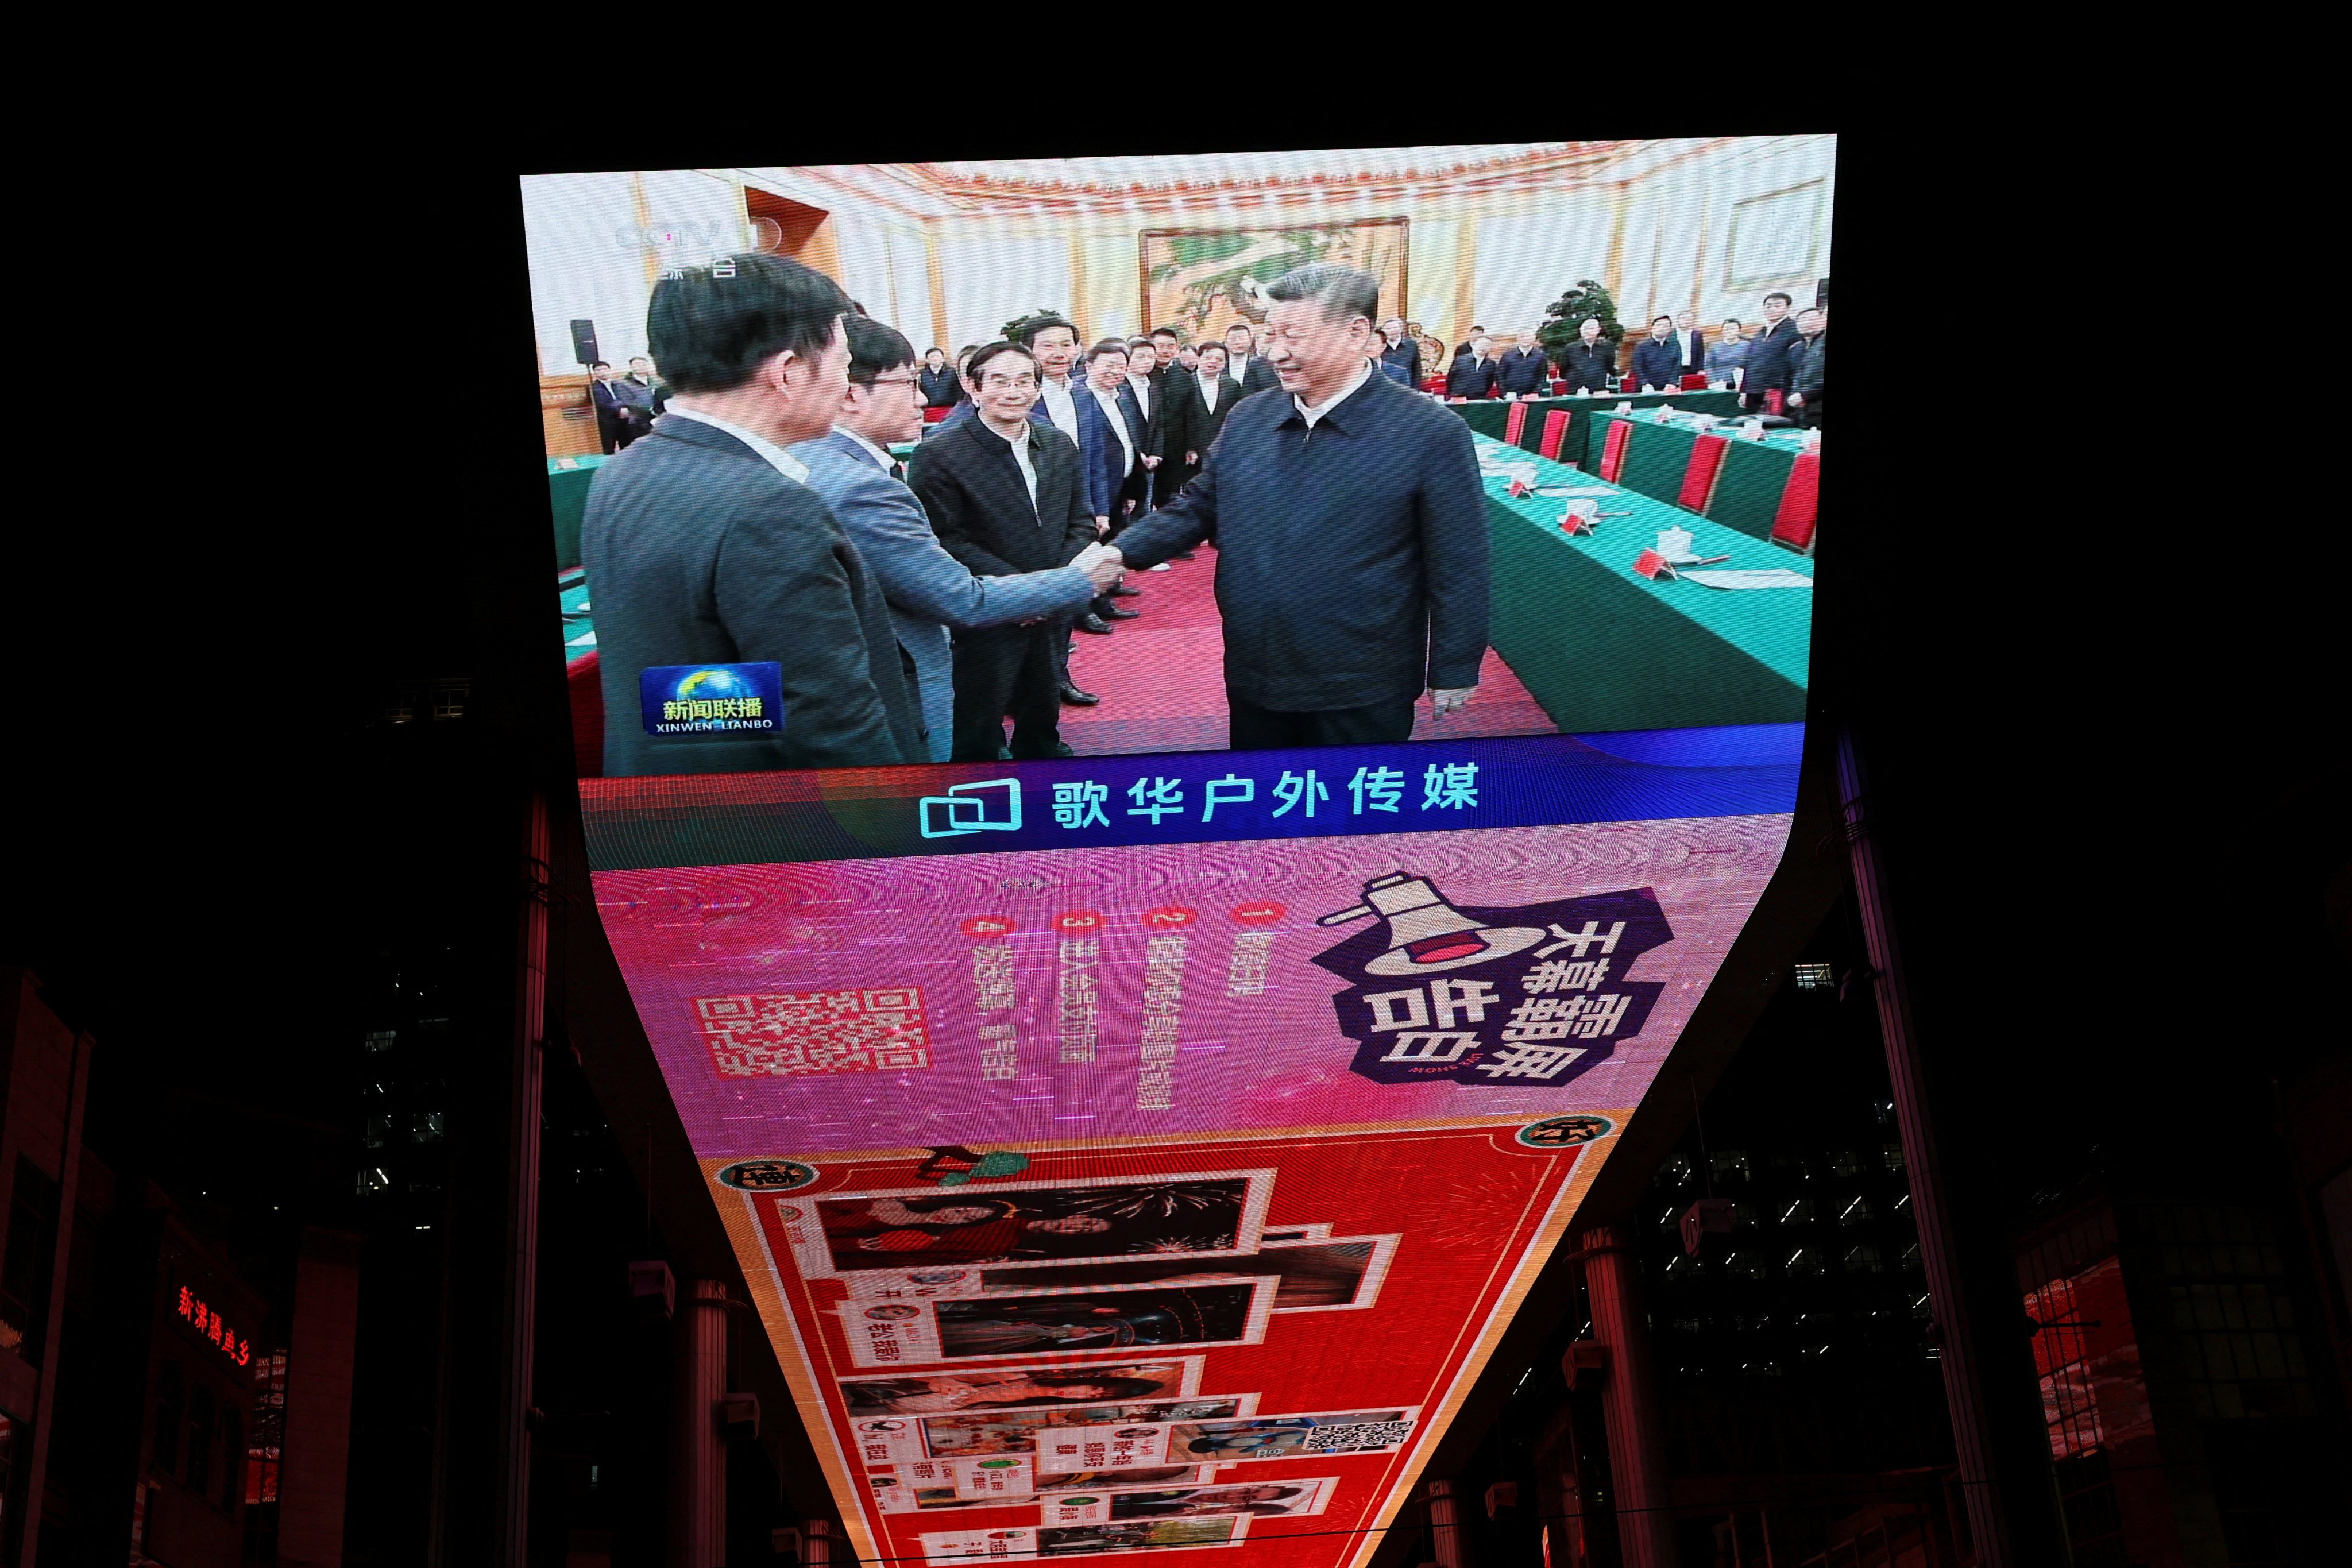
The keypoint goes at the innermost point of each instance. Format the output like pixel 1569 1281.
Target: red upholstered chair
pixel 1612 450
pixel 1434 384
pixel 1555 431
pixel 1698 477
pixel 1772 400
pixel 1799 510
pixel 1558 387
pixel 1694 382
pixel 1517 424
pixel 583 676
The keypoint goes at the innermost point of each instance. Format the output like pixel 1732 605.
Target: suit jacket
pixel 657 390
pixel 1102 462
pixel 1472 377
pixel 1152 436
pixel 1257 376
pixel 1657 363
pixel 612 398
pixel 1589 368
pixel 1394 370
pixel 1407 354
pixel 1807 365
pixel 1692 354
pixel 699 551
pixel 1193 426
pixel 972 492
pixel 1381 503
pixel 1525 370
pixel 1767 357
pixel 941 389
pixel 929 591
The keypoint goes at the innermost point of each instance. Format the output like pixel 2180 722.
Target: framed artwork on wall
pixel 1774 238
pixel 1202 281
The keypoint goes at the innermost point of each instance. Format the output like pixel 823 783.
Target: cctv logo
pixel 965 809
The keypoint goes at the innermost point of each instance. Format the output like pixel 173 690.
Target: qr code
pixel 1356 1438
pixel 811 1034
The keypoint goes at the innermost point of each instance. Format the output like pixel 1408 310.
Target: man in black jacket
pixel 1400 348
pixel 1767 353
pixel 1587 363
pixel 1525 370
pixel 1197 405
pixel 1346 480
pixel 937 381
pixel 1004 495
pixel 1244 362
pixel 1810 365
pixel 1474 373
pixel 702 545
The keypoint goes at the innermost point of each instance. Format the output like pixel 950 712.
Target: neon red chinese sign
pixel 210 1325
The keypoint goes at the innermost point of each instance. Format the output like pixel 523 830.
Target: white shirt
pixel 1692 350
pixel 880 455
pixel 1363 374
pixel 1238 368
pixel 1059 407
pixel 1109 401
pixel 1142 385
pixel 1208 388
pixel 1020 445
pixel 783 462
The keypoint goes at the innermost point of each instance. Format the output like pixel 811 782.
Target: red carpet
pixel 1161 677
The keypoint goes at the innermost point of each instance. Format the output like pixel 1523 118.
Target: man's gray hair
pixel 1344 292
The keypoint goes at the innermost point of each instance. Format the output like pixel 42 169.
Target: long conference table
pixel 1489 417
pixel 1747 487
pixel 1601 648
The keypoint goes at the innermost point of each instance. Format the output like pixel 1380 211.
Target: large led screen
pixel 1143 1066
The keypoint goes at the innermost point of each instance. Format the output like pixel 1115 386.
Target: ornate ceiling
pixel 1189 179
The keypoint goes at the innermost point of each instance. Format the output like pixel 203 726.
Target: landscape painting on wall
pixel 1202 281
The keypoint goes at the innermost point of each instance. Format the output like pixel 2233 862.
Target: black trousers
pixel 1809 413
pixel 1008 670
pixel 1256 728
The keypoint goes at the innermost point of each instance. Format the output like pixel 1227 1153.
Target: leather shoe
pixel 1184 556
pixel 1063 749
pixel 1094 623
pixel 1078 699
pixel 1124 591
pixel 1113 613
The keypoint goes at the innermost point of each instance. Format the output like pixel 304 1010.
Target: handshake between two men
pixel 1105 568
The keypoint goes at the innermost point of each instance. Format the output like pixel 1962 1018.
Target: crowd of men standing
pixel 1787 355
pixel 912 608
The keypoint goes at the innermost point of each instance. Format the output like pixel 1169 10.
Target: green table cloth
pixel 1603 649
pixel 567 497
pixel 1489 416
pixel 1746 490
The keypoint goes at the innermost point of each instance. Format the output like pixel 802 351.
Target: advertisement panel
pixel 1142 1145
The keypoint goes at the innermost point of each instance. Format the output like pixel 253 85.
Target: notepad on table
pixel 1770 577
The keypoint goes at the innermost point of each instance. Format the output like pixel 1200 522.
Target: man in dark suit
pixel 1345 477
pixel 1525 371
pixel 1587 363
pixel 1245 363
pixel 940 385
pixel 702 545
pixel 1767 353
pixel 1657 359
pixel 930 592
pixel 1005 497
pixel 1197 406
pixel 1401 351
pixel 624 410
pixel 1810 365
pixel 1690 346
pixel 641 375
pixel 1143 379
pixel 1474 375
pixel 1464 347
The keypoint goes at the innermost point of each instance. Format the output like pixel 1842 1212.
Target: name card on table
pixel 1652 564
pixel 1623 408
pixel 567 462
pixel 1666 413
pixel 1751 432
pixel 1703 422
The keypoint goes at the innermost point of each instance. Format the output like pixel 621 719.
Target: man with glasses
pixel 1005 497
pixel 930 592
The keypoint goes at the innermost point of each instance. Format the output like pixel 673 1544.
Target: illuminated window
pixel 1846 1162
pixel 1807 1260
pixel 429 1126
pixel 1855 1212
pixel 1815 977
pixel 1676 1171
pixel 377 1130
pixel 1731 1162
pixel 380 1040
pixel 1910 1262
pixel 1863 1259
pixel 1749 1262
pixel 1892 1156
pixel 1798 1213
pixel 449 698
pixel 373 1180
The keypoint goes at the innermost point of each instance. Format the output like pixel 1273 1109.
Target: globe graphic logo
pixel 710 684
